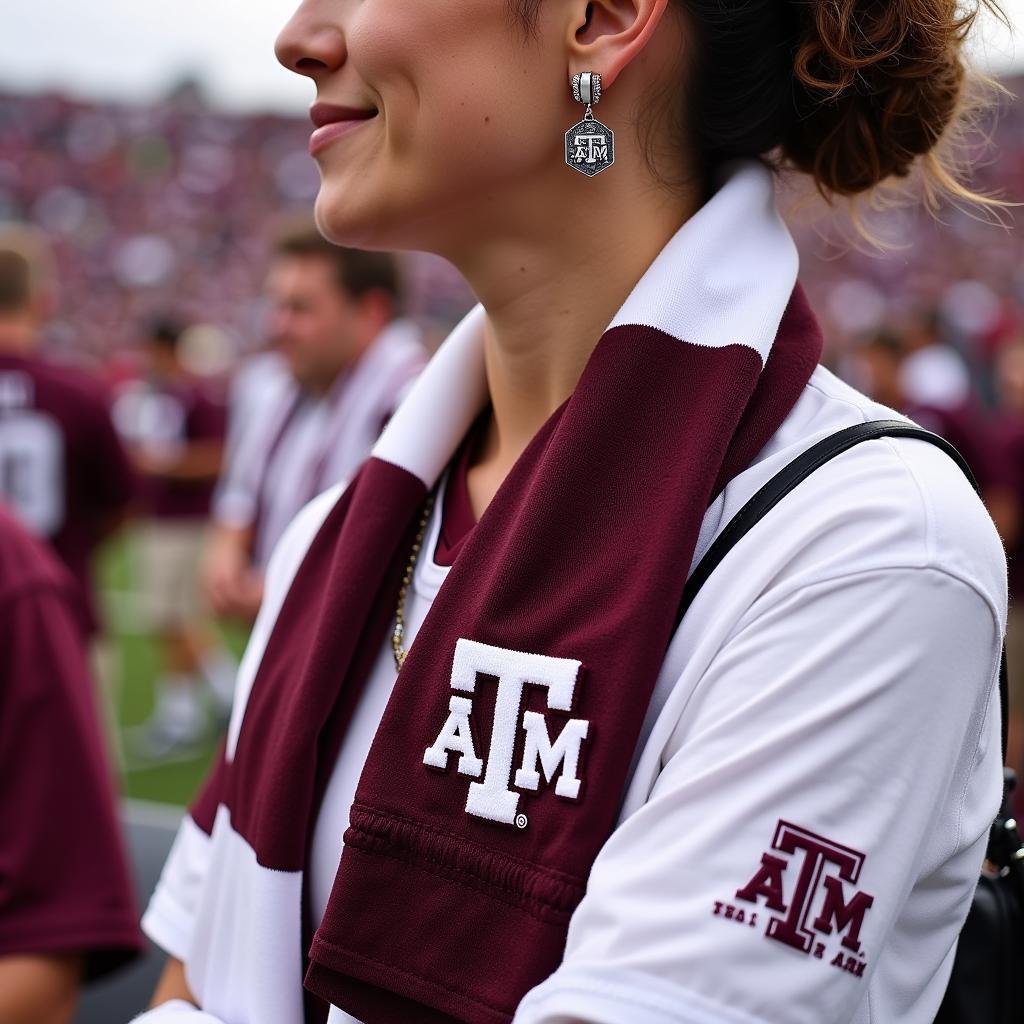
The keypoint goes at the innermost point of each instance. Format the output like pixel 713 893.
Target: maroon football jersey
pixel 63 470
pixel 64 880
pixel 162 417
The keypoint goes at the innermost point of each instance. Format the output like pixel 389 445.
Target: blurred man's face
pixel 1010 377
pixel 162 359
pixel 878 374
pixel 315 325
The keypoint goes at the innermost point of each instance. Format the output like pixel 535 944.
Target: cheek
pixel 457 84
pixel 467 106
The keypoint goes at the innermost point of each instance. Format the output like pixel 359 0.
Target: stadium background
pixel 157 156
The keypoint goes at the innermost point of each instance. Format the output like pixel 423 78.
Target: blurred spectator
pixel 62 468
pixel 348 362
pixel 1009 432
pixel 67 908
pixel 937 393
pixel 175 432
pixel 874 368
pixel 936 387
pixel 916 374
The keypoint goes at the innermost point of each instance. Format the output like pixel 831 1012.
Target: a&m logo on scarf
pixel 493 798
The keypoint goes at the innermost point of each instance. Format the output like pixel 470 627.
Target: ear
pixel 607 35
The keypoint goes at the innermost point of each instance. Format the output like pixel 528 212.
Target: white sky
pixel 134 48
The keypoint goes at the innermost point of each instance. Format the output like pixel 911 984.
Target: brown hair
pixel 850 92
pixel 356 271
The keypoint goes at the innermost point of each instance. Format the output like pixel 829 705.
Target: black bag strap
pixel 795 473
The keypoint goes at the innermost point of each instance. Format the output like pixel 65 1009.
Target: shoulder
pixel 70 380
pixel 889 504
pixel 398 352
pixel 403 339
pixel 78 401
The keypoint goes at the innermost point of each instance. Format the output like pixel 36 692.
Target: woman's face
pixel 457 115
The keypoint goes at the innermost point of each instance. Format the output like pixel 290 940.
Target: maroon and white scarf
pixel 499 765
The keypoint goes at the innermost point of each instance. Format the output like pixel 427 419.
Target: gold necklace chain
pixel 399 632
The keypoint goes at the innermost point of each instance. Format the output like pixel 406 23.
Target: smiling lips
pixel 332 122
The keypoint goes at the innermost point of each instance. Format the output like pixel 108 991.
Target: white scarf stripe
pixel 738 266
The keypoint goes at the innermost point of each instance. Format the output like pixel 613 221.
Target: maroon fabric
pixel 457 516
pixel 297 703
pixel 437 915
pixel 202 419
pixel 64 880
pixel 93 480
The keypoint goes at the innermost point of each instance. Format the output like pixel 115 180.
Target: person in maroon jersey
pixel 63 470
pixel 175 429
pixel 67 907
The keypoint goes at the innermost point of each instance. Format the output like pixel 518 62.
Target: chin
pixel 358 223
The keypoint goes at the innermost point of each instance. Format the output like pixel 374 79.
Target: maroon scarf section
pixel 437 915
pixel 311 675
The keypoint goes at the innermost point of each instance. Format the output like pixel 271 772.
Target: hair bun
pixel 877 83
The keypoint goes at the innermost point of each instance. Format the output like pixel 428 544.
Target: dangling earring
pixel 589 145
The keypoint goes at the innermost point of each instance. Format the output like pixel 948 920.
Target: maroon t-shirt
pixel 164 415
pixel 63 470
pixel 457 517
pixel 65 886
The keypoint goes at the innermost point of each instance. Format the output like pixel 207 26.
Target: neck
pixel 322 385
pixel 16 337
pixel 551 288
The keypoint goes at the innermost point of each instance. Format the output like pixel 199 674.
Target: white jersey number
pixel 32 470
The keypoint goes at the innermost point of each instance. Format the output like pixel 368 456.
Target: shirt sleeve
pixel 237 495
pixel 841 749
pixel 64 880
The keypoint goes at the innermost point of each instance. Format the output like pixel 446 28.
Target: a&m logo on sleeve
pixel 811 892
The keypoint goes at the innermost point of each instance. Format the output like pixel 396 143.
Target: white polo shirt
pixel 812 790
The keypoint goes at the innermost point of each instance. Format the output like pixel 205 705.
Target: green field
pixel 130 669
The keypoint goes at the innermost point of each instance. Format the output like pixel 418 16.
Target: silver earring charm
pixel 589 145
